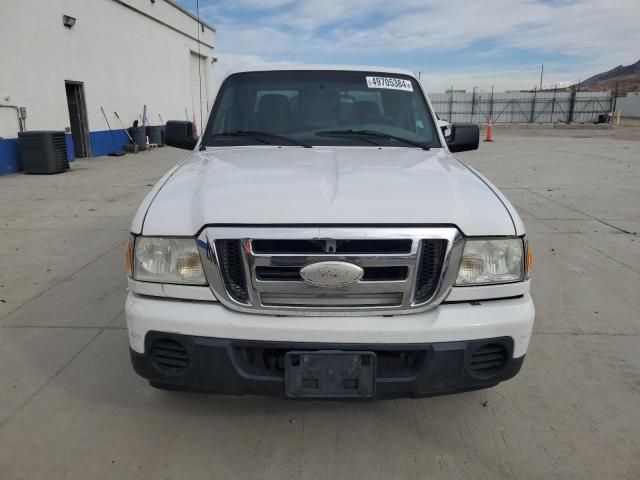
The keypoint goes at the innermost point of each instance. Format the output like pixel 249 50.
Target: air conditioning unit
pixel 43 152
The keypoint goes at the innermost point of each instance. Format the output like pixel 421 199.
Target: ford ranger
pixel 320 240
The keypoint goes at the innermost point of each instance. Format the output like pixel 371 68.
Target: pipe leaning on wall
pixel 17 109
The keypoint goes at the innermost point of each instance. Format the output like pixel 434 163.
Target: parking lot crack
pixel 62 280
pixel 619 262
pixel 557 202
pixel 48 382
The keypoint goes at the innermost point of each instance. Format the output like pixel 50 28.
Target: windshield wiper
pixel 372 133
pixel 260 136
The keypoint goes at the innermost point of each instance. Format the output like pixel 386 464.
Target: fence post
pixel 533 106
pixel 614 100
pixel 451 105
pixel 553 102
pixel 572 104
pixel 473 103
pixel 491 106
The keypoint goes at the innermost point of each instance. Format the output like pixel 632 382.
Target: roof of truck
pixel 329 67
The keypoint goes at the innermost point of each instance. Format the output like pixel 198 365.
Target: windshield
pixel 307 108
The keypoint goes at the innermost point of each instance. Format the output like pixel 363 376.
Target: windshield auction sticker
pixel 389 83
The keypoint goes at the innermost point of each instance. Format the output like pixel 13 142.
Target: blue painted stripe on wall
pixel 71 154
pixel 102 143
pixel 105 141
pixel 10 161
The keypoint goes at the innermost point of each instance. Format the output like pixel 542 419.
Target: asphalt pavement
pixel 72 408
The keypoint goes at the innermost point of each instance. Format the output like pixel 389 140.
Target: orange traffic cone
pixel 489 131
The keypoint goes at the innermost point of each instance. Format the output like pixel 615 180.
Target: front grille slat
pixel 341 246
pixel 303 288
pixel 385 274
pixel 332 301
pixel 364 260
pixel 292 274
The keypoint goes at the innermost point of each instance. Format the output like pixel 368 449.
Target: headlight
pixel 168 260
pixel 490 261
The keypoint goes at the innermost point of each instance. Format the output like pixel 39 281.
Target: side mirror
pixel 463 137
pixel 179 134
pixel 444 126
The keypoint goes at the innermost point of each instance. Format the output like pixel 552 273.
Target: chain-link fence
pixel 523 107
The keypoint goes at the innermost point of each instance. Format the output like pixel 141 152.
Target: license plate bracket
pixel 330 374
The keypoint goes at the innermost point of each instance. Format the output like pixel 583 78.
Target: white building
pixel 629 105
pixel 62 60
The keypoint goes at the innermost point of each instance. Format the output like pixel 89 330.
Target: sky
pixel 452 43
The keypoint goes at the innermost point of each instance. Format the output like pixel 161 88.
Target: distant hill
pixel 626 76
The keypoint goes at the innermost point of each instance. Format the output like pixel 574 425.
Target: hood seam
pixel 146 212
pixel 475 174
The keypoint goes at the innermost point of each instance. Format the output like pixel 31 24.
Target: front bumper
pixel 448 322
pixel 239 367
pixel 440 342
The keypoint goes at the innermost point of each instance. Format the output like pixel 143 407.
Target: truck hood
pixel 324 185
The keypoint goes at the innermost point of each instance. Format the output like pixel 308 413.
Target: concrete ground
pixel 72 408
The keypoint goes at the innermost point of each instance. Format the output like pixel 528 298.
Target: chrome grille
pixel 258 269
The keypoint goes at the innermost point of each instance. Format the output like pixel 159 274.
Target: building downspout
pixel 17 109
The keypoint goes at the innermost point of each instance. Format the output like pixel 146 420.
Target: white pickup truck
pixel 320 240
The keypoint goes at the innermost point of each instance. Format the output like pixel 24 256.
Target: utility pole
pixel 541 73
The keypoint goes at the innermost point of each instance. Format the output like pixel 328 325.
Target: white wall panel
pixel 125 60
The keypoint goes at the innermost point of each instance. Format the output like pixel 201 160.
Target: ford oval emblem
pixel 331 274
